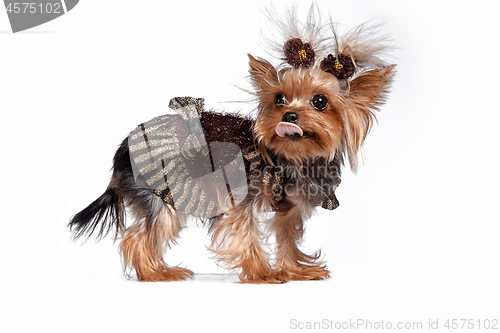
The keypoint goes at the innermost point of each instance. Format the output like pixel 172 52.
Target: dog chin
pixel 298 137
pixel 296 148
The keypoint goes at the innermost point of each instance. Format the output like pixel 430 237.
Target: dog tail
pixel 105 213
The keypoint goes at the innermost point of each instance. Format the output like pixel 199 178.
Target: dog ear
pixel 262 73
pixel 369 90
pixel 367 93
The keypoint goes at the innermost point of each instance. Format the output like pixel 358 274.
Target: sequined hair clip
pixel 301 55
pixel 342 66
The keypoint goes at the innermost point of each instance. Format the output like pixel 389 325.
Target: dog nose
pixel 291 117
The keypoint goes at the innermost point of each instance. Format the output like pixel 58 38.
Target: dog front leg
pixel 291 262
pixel 236 241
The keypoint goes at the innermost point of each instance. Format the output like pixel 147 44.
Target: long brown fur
pixel 237 241
pixel 291 263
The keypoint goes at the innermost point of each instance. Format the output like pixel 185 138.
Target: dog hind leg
pixel 145 241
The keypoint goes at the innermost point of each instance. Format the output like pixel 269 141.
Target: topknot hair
pixel 316 44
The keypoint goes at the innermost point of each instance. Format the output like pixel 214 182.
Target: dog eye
pixel 279 99
pixel 319 102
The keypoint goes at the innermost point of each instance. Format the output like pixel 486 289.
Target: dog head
pixel 321 100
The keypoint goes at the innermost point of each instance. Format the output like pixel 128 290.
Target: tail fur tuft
pixel 105 213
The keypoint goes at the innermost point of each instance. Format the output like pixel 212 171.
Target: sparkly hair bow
pixel 302 55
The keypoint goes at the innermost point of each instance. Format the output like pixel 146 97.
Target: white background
pixel 416 236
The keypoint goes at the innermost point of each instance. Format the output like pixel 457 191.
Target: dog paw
pixel 260 278
pixel 167 274
pixel 302 273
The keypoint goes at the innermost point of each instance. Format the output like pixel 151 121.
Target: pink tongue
pixel 284 128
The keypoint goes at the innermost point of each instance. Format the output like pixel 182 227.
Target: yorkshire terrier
pixel 314 110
